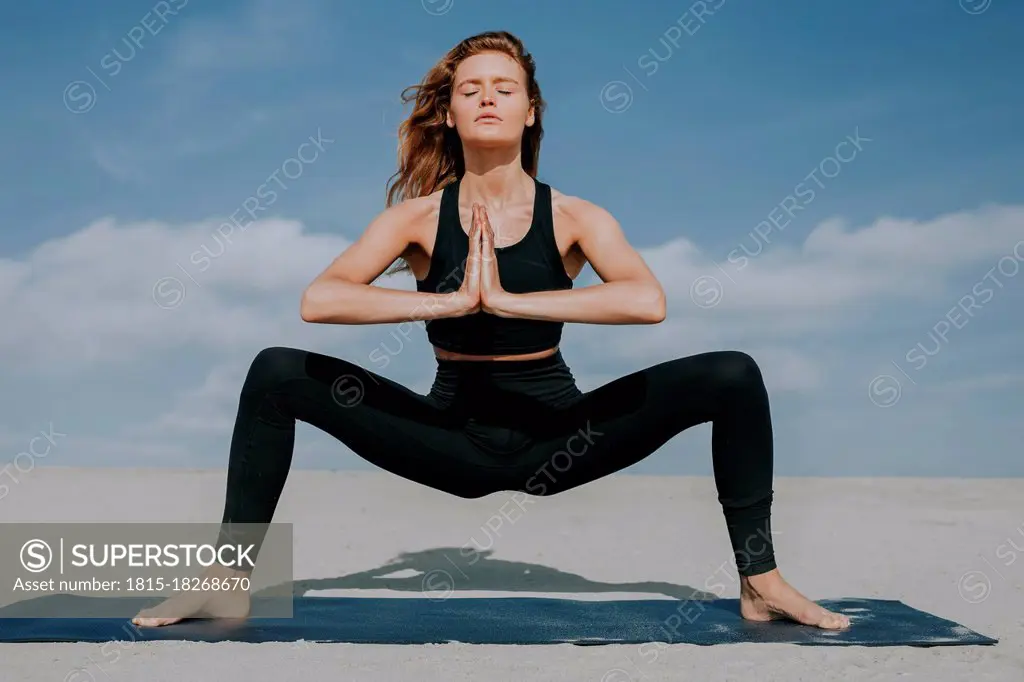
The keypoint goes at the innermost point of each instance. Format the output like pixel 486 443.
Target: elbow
pixel 654 311
pixel 306 311
pixel 307 307
pixel 327 301
pixel 655 316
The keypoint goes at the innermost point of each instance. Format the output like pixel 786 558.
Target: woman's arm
pixel 629 293
pixel 342 294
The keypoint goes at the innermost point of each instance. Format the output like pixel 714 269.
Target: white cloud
pixel 206 409
pixel 111 293
pixel 836 266
pixel 944 241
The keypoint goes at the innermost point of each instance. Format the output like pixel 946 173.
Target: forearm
pixel 619 302
pixel 339 302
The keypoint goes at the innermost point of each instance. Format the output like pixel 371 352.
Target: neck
pixel 495 177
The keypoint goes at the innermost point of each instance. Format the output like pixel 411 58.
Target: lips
pixel 488 117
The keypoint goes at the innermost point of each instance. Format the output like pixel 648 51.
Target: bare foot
pixel 769 597
pixel 214 602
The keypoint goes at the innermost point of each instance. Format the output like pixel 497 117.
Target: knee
pixel 271 367
pixel 737 370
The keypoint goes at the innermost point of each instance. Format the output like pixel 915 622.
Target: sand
pixel 623 537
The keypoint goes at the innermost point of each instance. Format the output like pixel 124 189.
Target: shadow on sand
pixel 443 571
pixel 436 573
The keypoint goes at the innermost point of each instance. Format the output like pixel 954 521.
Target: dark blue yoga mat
pixel 520 620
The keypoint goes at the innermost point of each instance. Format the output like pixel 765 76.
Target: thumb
pixel 473 256
pixel 477 225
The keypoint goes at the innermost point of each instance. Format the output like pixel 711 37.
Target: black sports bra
pixel 531 264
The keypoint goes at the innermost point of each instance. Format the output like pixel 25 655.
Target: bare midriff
pixel 448 355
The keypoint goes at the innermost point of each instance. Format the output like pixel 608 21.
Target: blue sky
pixel 889 131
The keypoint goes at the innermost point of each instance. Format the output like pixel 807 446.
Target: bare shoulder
pixel 414 210
pixel 415 217
pixel 579 215
pixel 598 239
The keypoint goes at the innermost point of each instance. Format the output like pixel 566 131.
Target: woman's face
pixel 490 105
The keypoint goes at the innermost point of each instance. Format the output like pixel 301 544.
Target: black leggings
pixel 509 426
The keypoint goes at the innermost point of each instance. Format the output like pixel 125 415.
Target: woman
pixel 504 412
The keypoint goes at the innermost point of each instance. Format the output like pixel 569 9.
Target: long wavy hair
pixel 429 152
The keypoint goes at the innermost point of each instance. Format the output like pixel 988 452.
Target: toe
pixel 835 621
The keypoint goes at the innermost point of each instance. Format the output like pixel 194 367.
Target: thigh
pixel 622 422
pixel 380 420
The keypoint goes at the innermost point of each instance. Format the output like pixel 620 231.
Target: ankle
pixel 762 582
pixel 216 570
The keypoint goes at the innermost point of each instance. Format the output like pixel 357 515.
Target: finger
pixel 487 225
pixel 473 262
pixel 475 234
pixel 487 245
pixel 474 241
pixel 483 230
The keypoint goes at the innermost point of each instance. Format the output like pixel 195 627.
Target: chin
pixel 495 141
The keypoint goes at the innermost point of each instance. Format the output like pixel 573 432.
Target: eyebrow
pixel 477 81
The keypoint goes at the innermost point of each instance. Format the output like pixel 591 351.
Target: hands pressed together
pixel 481 288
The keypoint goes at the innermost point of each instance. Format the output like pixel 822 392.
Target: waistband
pixel 501 367
pixel 508 387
